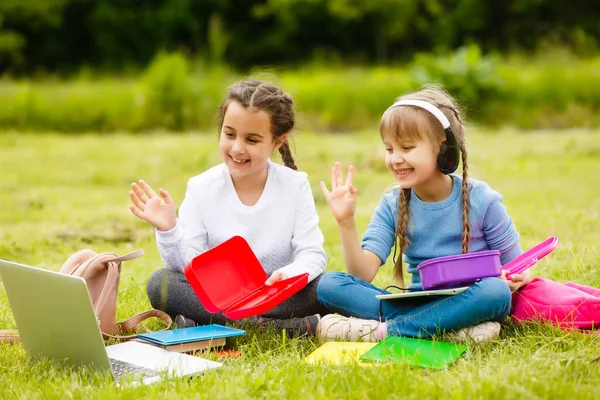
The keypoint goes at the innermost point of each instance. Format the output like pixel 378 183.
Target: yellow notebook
pixel 340 353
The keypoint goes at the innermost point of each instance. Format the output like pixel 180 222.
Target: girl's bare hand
pixel 515 281
pixel 342 198
pixel 149 206
pixel 276 276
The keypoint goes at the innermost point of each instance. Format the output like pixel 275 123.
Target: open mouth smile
pixel 238 161
pixel 403 173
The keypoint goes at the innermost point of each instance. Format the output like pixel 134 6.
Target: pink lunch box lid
pixel 530 257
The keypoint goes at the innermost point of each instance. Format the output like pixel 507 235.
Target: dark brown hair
pixel 416 123
pixel 264 96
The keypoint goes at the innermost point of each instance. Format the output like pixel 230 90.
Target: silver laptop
pixel 55 319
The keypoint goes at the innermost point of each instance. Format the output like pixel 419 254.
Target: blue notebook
pixel 192 334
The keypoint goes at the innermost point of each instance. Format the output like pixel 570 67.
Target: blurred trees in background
pixel 66 35
pixel 137 65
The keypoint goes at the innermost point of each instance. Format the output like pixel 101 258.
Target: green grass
pixel 64 193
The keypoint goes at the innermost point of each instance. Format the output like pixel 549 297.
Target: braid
pixel 401 234
pixel 256 90
pixel 286 156
pixel 466 236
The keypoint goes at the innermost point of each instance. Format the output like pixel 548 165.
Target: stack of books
pixel 191 346
pixel 191 339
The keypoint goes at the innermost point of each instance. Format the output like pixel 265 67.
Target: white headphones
pixel 424 105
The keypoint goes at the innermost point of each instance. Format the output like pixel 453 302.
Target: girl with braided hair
pixel 269 205
pixel 430 213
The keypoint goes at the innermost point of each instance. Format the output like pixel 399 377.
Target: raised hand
pixel 342 198
pixel 149 206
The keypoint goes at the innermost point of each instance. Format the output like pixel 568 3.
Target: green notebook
pixel 418 352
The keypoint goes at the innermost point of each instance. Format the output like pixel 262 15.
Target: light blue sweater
pixel 435 229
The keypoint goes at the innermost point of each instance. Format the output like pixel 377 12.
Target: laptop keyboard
pixel 122 368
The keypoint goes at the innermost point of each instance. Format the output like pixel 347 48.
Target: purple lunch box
pixel 466 269
pixel 459 270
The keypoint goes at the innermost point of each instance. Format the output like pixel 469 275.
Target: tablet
pixel 421 293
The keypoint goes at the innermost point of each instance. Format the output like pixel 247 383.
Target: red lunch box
pixel 229 278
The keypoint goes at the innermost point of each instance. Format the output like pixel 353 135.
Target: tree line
pixel 66 35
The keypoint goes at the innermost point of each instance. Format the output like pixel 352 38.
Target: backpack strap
pixel 112 265
pixel 133 322
pixel 9 336
pixel 129 256
pixel 111 280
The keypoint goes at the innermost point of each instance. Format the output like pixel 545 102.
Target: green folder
pixel 418 352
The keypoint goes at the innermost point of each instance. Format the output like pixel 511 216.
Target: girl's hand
pixel 515 281
pixel 147 205
pixel 275 277
pixel 342 198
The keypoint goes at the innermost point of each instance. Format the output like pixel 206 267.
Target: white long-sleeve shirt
pixel 282 228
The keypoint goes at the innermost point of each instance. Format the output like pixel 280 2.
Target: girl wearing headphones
pixel 430 213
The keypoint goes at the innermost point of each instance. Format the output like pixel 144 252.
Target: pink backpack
pixel 569 305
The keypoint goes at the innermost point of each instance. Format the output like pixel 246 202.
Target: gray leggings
pixel 170 292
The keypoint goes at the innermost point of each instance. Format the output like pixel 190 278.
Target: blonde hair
pixel 417 123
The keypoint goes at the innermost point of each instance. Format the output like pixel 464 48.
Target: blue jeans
pixel 487 300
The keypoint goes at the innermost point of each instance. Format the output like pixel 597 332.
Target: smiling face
pixel 411 161
pixel 246 141
pixel 412 142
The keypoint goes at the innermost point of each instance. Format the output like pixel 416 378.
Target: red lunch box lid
pixel 224 276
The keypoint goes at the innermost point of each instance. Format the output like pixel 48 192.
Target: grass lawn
pixel 64 193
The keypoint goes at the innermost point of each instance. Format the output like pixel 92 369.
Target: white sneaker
pixel 483 332
pixel 334 327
